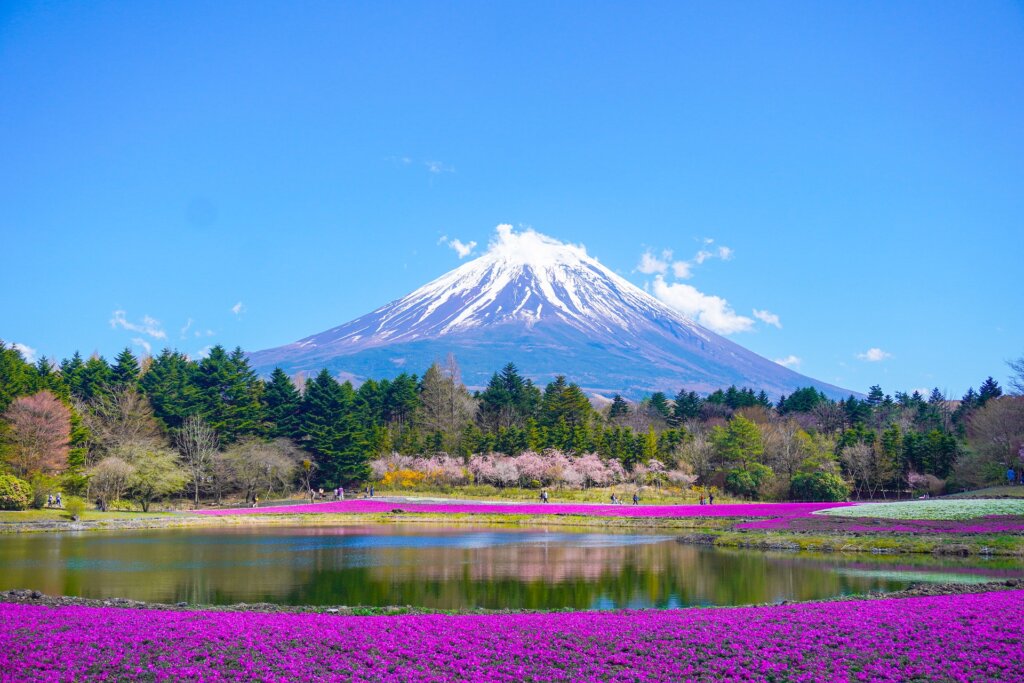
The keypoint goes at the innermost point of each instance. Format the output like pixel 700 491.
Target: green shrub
pixel 121 506
pixel 15 494
pixel 819 486
pixel 74 507
pixel 747 481
pixel 42 486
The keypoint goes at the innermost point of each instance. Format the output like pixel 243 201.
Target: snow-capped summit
pixel 552 309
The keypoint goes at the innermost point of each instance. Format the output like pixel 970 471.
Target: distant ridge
pixel 551 309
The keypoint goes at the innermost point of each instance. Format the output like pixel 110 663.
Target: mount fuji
pixel 551 309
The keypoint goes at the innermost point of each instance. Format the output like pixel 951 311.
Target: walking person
pixel 636 498
pixel 60 503
pixel 711 499
pixel 255 501
pixel 702 499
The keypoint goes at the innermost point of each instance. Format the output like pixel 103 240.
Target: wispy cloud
pixel 149 326
pixel 238 309
pixel 139 341
pixel 713 312
pixel 789 361
pixel 438 167
pixel 185 329
pixel 768 318
pixel 463 249
pixel 27 352
pixel 874 355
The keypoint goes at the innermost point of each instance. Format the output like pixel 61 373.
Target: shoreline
pixel 23 596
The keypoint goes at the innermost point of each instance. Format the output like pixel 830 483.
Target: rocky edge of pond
pixel 33 597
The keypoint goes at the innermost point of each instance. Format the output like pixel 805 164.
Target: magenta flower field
pixel 366 506
pixel 949 638
pixel 807 522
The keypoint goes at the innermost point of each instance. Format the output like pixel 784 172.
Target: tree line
pixel 148 428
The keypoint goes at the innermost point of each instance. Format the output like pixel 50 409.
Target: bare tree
pixel 39 434
pixel 861 461
pixel 445 404
pixel 197 443
pixel 263 466
pixel 996 436
pixel 109 479
pixel 120 417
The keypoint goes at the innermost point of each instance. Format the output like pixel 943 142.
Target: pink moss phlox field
pixel 949 638
pixel 367 506
pixel 808 522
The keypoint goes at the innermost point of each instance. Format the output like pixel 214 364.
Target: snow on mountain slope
pixel 550 308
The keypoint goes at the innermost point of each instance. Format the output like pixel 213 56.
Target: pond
pixel 444 567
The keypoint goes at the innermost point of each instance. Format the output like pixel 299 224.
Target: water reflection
pixel 448 568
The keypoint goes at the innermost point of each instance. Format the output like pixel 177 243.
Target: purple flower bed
pixel 807 522
pixel 949 638
pixel 365 506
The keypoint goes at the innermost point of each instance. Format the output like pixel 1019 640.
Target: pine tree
pixel 229 394
pixel 336 436
pixel 71 369
pixel 170 385
pixel 126 369
pixel 95 378
pixel 282 406
pixel 988 390
pixel 619 407
pixel 17 377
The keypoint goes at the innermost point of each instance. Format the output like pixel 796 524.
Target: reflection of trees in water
pixel 326 566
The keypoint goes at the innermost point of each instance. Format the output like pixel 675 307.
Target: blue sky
pixel 251 173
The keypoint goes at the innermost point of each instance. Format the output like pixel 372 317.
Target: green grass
pixel 891 544
pixel 991 492
pixel 57 515
pixel 937 509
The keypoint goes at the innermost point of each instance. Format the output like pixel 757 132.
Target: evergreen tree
pixel 508 400
pixel 659 406
pixel 687 407
pixel 282 407
pixel 95 378
pixel 126 369
pixel 71 370
pixel 170 385
pixel 336 437
pixel 17 377
pixel 619 407
pixel 229 394
pixel 988 390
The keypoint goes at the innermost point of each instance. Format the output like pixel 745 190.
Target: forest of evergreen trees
pixel 150 428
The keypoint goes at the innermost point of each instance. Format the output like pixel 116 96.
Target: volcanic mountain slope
pixel 549 308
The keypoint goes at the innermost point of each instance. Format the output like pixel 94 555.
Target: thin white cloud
pixel 27 352
pixel 713 312
pixel 149 326
pixel 463 249
pixel 438 167
pixel 874 355
pixel 203 352
pixel 789 361
pixel 651 264
pixel 238 309
pixel 139 341
pixel 184 330
pixel 768 318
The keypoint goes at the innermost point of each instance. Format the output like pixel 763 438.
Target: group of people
pixel 54 501
pixel 710 500
pixel 618 501
pixel 1015 477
